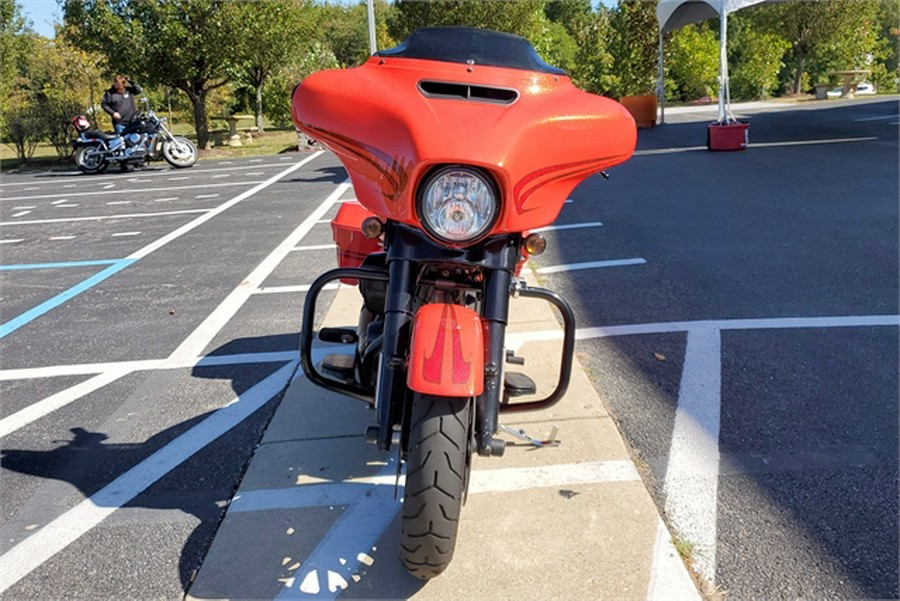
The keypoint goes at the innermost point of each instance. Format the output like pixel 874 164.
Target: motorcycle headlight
pixel 458 204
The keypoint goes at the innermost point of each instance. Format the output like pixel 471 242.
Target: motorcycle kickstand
pixel 550 441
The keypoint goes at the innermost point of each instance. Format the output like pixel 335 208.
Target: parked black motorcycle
pixel 142 140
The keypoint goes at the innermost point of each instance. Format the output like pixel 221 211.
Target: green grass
pixel 269 143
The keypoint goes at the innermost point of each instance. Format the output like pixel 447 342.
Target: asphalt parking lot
pixel 737 312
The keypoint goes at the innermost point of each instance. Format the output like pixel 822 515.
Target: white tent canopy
pixel 674 14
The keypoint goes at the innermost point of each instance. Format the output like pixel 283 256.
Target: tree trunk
pixel 259 108
pixel 798 73
pixel 201 123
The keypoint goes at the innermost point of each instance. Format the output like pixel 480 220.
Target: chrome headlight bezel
pixel 484 202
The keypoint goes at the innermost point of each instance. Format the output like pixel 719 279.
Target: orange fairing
pixel 446 354
pixel 394 118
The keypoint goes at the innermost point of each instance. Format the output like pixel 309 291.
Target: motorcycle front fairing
pixel 407 110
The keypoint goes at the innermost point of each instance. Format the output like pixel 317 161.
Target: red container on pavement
pixel 727 136
pixel 352 245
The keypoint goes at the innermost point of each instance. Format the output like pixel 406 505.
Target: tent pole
pixel 723 62
pixel 661 83
pixel 370 13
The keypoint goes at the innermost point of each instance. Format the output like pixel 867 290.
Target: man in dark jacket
pixel 118 101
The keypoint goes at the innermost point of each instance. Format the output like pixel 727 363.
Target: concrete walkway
pixel 316 517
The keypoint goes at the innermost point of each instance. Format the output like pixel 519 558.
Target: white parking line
pixel 656 151
pixel 125 234
pixel 12 240
pixel 157 173
pixel 569 226
pixel 591 265
pixel 292 289
pixel 692 471
pixel 24 207
pixel 119 202
pixel 68 205
pixel 102 217
pixel 92 369
pixel 61 238
pixel 166 199
pixel 21 213
pixel 60 201
pixel 878 118
pixel 315 247
pixel 36 411
pixel 201 196
pixel 139 190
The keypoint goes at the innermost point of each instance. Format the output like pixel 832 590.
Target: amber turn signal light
pixel 535 244
pixel 372 227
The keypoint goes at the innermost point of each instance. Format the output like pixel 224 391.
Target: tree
pixel 345 30
pixel 15 40
pixel 823 36
pixel 692 62
pixel 62 79
pixel 44 83
pixel 268 45
pixel 634 46
pixel 520 17
pixel 185 44
pixel 886 55
pixel 754 58
pixel 591 66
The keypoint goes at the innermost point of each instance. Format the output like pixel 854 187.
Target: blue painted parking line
pixel 26 266
pixel 49 304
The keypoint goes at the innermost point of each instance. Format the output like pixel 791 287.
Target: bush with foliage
pixel 692 62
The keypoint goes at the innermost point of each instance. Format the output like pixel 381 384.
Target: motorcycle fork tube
pixel 495 313
pixel 391 390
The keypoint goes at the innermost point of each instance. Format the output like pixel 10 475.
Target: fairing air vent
pixel 461 91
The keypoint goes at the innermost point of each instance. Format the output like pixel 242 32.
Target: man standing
pixel 118 101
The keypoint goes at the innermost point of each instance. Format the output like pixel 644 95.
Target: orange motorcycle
pixel 458 143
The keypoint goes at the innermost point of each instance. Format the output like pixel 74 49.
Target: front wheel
pixel 179 152
pixel 437 467
pixel 90 160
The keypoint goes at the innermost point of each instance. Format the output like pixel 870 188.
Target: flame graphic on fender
pixel 462 369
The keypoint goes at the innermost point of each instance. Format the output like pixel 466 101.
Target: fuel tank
pixel 463 96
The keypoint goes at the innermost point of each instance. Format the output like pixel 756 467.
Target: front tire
pixel 179 152
pixel 437 467
pixel 89 159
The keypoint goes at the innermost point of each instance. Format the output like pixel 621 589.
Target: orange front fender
pixel 446 351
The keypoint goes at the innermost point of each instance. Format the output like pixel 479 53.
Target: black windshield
pixel 462 44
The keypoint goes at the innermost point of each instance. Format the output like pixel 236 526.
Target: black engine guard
pixel 357 390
